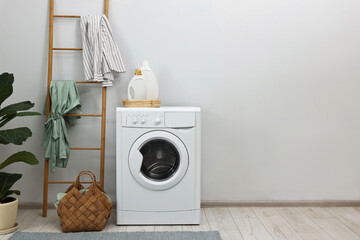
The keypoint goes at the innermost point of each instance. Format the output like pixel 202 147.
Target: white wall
pixel 278 82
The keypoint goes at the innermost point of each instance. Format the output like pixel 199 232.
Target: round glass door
pixel 161 159
pixel 158 160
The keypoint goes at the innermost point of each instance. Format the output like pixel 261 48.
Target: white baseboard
pixel 292 203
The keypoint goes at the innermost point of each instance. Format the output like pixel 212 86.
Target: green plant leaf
pixel 8 117
pixel 17 192
pixel 24 156
pixel 16 136
pixel 6 89
pixel 13 108
pixel 7 180
pixel 8 193
pixel 23 114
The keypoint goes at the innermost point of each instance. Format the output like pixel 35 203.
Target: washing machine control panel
pixel 143 119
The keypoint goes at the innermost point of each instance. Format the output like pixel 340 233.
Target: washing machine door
pixel 158 160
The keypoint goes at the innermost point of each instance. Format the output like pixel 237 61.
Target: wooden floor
pixel 338 223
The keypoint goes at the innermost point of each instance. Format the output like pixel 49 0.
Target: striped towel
pixel 101 55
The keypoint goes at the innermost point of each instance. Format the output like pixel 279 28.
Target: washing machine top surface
pixel 160 109
pixel 163 117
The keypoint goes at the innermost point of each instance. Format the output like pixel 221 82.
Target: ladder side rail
pixel 103 119
pixel 48 102
pixel 103 129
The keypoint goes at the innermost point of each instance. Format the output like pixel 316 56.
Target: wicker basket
pixel 84 212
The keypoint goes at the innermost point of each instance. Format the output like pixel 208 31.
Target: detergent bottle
pixel 151 83
pixel 137 87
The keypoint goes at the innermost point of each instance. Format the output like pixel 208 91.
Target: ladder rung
pixel 83 115
pixel 84 148
pixel 60 182
pixel 66 16
pixel 71 49
pixel 88 82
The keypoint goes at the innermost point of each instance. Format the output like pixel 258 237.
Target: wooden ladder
pixel 103 108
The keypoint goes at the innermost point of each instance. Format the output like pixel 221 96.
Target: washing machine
pixel 158 156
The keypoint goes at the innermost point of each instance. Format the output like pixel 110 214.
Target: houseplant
pixel 9 204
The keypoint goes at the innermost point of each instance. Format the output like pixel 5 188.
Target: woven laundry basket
pixel 84 212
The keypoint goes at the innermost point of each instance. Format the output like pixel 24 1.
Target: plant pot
pixel 8 212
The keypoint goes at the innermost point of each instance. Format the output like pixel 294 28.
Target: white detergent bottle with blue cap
pixel 151 83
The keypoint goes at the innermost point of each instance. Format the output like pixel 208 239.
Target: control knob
pixel 157 121
pixel 143 121
pixel 134 121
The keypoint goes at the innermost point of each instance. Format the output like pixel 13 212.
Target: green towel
pixel 59 196
pixel 65 99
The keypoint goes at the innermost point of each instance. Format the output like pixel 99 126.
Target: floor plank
pixel 324 219
pixel 111 224
pixel 250 227
pixel 356 209
pixel 275 224
pixel 34 222
pixel 220 219
pixel 204 225
pixel 53 223
pixel 21 214
pixel 348 216
pixel 140 228
pixel 168 228
pixel 303 225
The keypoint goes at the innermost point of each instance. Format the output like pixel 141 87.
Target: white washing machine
pixel 158 165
